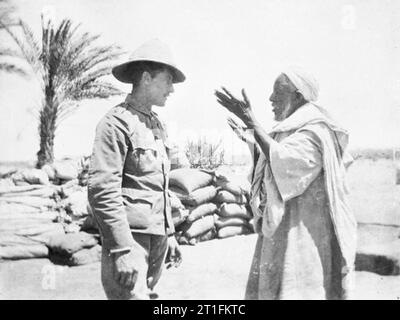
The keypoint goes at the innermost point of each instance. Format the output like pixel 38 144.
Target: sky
pixel 351 47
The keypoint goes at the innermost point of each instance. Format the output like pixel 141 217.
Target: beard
pixel 284 111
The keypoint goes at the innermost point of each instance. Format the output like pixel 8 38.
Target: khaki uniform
pixel 128 179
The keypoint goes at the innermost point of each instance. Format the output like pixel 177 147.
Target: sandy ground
pixel 215 269
pixel 218 269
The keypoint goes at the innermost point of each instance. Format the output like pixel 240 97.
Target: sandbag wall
pixel 208 205
pixel 27 220
pixel 43 207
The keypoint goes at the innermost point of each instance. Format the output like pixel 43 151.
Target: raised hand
pixel 240 131
pixel 240 108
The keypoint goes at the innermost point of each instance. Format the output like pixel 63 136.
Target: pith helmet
pixel 154 51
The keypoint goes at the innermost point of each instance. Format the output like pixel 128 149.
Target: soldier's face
pixel 159 88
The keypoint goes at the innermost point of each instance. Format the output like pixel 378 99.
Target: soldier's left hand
pixel 174 255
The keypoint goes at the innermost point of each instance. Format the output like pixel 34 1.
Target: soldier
pixel 128 178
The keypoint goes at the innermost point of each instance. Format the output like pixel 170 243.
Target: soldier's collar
pixel 139 108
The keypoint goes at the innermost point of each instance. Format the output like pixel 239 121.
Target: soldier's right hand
pixel 125 271
pixel 257 225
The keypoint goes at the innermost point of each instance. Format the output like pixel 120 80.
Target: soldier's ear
pixel 146 77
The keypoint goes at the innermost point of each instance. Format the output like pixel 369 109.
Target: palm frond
pixel 80 44
pixel 60 41
pixel 66 86
pixel 91 58
pixel 62 31
pixel 27 52
pixel 12 68
pixel 65 110
pixel 92 75
pixel 69 66
pixel 103 54
pixel 96 89
pixel 44 57
pixel 89 91
pixel 8 52
pixel 30 38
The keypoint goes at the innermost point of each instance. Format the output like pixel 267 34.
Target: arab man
pixel 307 232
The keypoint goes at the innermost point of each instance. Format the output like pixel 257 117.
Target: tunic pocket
pixel 143 157
pixel 139 212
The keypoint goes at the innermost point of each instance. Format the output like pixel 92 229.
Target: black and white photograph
pixel 199 150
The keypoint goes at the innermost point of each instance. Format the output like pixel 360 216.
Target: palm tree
pixel 68 66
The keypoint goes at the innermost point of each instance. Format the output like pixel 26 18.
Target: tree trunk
pixel 47 128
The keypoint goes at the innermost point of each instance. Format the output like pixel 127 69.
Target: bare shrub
pixel 204 154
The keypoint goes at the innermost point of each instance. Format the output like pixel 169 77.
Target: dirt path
pixel 215 269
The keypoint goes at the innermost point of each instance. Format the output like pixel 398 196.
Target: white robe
pixel 306 247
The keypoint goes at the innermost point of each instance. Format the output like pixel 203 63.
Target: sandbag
pixel 37 202
pixel 179 216
pixel 89 223
pixel 234 210
pixel 231 231
pixel 176 203
pixel 51 173
pixel 198 197
pixel 226 179
pixel 208 235
pixel 21 183
pixel 10 239
pixel 24 251
pixel 73 227
pixel 182 240
pixel 70 187
pixel 222 222
pixel 201 211
pixel 224 196
pixel 7 171
pixel 40 216
pixel 44 236
pixel 77 203
pixel 182 227
pixel 7 209
pixel 69 243
pixel 32 243
pixel 31 176
pixel 35 190
pixel 200 226
pixel 86 256
pixel 66 169
pixel 6 183
pixel 27 227
pixel 187 180
pixel 231 186
pixel 79 258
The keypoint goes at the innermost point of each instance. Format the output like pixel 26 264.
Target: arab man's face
pixel 282 98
